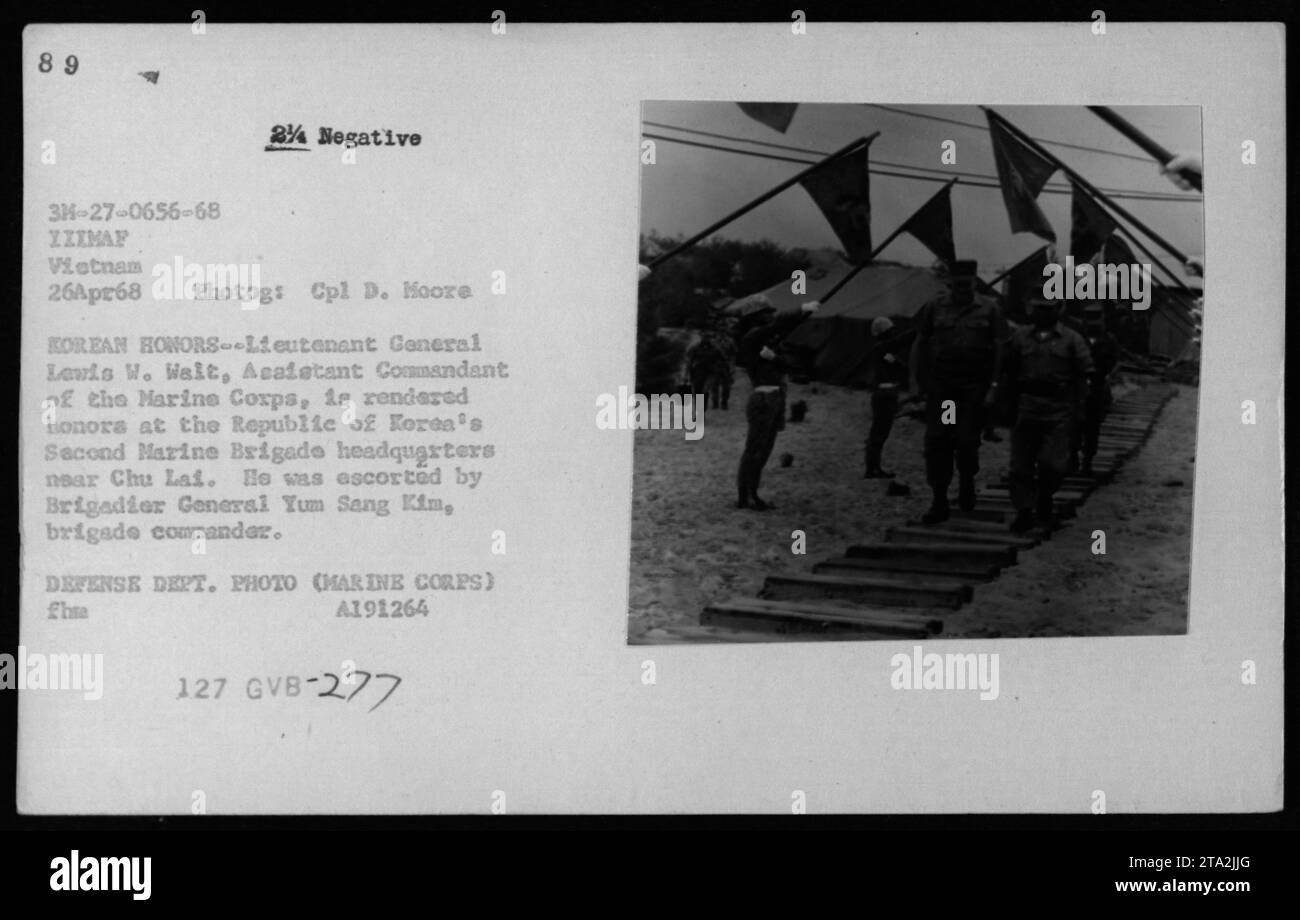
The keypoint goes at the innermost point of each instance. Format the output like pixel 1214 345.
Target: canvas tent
pixel 834 345
pixel 1164 329
pixel 1172 325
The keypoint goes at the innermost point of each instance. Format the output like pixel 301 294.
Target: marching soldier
pixel 957 359
pixel 1048 366
pixel 890 375
pixel 765 411
pixel 1104 348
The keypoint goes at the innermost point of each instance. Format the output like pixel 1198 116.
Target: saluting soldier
pixel 1048 366
pixel 765 410
pixel 1104 348
pixel 957 361
pixel 889 375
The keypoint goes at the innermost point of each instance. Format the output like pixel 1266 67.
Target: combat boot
pixel 1045 516
pixel 966 493
pixel 938 512
pixel 1024 521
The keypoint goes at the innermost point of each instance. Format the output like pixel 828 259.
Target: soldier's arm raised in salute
pixel 919 358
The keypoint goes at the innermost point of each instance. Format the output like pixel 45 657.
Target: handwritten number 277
pixel 367 675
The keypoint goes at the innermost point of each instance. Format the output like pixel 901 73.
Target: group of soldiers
pixel 965 359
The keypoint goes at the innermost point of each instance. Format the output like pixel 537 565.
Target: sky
pixel 688 188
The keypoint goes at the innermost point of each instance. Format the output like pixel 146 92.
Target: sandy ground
pixel 690 546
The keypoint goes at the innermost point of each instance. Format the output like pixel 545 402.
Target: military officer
pixel 957 361
pixel 1048 366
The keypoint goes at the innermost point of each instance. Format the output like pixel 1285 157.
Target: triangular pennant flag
pixel 776 115
pixel 1023 173
pixel 932 224
pixel 1115 251
pixel 1025 281
pixel 1090 226
pixel 842 189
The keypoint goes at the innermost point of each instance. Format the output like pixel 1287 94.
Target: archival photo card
pixel 913 371
pixel 493 418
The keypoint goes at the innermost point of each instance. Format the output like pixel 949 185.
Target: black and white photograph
pixel 915 371
pixel 505 417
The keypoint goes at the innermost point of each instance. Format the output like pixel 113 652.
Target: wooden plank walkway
pixel 901 585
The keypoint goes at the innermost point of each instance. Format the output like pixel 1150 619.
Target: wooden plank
pixel 934 534
pixel 764 615
pixel 701 635
pixel 966 525
pixel 1007 510
pixel 982 513
pixel 1123 427
pixel 1077 488
pixel 947 553
pixel 936 570
pixel 874 590
pixel 1062 494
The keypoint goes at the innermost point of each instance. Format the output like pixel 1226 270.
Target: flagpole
pixel 1133 133
pixel 713 228
pixel 1023 261
pixel 1087 186
pixel 1129 238
pixel 875 252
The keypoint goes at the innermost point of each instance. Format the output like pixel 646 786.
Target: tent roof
pixel 838 338
pixel 877 290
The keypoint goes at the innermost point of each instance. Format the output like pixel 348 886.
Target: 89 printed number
pixel 46 64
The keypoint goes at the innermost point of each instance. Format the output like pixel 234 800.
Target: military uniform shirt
pixel 767 371
pixel 1047 369
pixel 962 340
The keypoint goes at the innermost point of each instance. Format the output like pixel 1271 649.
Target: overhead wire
pixel 980 127
pixel 940 176
pixel 945 172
